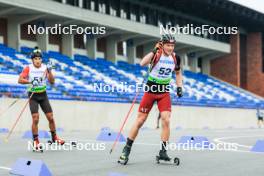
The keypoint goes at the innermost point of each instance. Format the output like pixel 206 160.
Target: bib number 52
pixel 164 71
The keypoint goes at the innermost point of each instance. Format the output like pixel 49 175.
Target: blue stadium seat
pixel 76 78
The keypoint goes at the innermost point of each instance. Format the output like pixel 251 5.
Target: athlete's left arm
pixel 178 71
pixel 50 77
pixel 179 78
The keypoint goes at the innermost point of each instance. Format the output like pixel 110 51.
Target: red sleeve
pixel 25 72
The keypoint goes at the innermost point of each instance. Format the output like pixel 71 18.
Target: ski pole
pixel 126 117
pixel 11 104
pixel 22 111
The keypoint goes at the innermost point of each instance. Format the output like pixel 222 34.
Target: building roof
pixel 219 11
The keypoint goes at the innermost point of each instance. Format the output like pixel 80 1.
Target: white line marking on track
pixel 5 168
pixel 216 140
pixel 220 140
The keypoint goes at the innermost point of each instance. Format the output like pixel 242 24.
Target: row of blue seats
pixel 103 66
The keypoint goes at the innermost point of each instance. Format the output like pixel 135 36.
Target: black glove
pixel 179 92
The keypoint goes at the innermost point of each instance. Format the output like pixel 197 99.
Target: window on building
pixel 92 4
pixel 112 11
pixel 58 1
pixel 200 63
pixel 123 14
pixel 243 60
pixel 124 11
pixel 133 17
pixel 87 4
pixel 152 17
pixel 142 18
pixel 133 12
pixel 102 7
pixel 114 8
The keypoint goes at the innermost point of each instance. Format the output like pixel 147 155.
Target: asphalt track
pixel 241 162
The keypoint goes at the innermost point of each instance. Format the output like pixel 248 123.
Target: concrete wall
pixel 77 115
pixel 250 75
pixel 227 67
pixel 255 75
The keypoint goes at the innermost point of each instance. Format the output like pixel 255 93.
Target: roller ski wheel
pixel 37 147
pixel 40 150
pixel 165 158
pixel 125 154
pixel 175 161
pixel 72 143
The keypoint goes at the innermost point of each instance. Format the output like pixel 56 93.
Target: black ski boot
pixel 163 156
pixel 125 154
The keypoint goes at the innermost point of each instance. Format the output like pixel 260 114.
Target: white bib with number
pixel 37 74
pixel 162 71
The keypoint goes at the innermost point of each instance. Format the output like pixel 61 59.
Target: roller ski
pixel 37 146
pixel 124 156
pixel 163 156
pixel 56 140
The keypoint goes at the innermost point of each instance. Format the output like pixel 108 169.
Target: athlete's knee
pixel 35 118
pixel 140 122
pixel 166 121
pixel 51 120
pixel 141 119
pixel 50 117
pixel 166 118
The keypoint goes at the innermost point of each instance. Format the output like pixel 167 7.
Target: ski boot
pixel 124 156
pixel 56 140
pixel 37 146
pixel 163 156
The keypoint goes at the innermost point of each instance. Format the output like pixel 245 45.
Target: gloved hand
pixel 144 74
pixel 179 92
pixel 50 66
pixel 35 83
pixel 157 47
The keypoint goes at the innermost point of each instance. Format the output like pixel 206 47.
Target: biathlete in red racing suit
pixel 163 62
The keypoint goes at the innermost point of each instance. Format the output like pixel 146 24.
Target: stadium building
pixel 94 43
pixel 132 27
pixel 121 32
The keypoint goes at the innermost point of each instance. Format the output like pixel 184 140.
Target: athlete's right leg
pixel 144 108
pixel 164 104
pixel 33 105
pixel 35 121
pixel 46 108
pixel 141 118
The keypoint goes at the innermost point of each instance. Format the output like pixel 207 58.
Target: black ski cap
pixel 36 53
